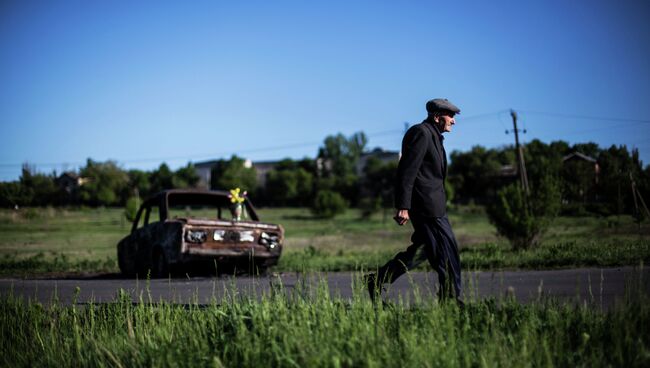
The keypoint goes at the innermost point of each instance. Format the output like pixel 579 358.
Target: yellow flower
pixel 235 197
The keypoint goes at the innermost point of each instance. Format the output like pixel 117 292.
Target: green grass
pixel 308 328
pixel 49 241
pixel 349 243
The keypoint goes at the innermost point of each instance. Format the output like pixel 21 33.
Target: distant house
pixel 262 168
pixel 507 171
pixel 69 184
pixel 204 171
pixel 588 160
pixel 323 165
pixel 580 178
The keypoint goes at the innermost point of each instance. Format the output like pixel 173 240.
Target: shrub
pixel 131 208
pixel 328 204
pixel 31 213
pixel 523 220
pixel 369 205
pixel 449 193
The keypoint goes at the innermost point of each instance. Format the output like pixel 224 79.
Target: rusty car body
pixel 177 228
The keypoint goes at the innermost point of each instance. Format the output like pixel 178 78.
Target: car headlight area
pixel 196 236
pixel 270 240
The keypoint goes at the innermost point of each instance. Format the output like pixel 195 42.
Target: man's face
pixel 445 121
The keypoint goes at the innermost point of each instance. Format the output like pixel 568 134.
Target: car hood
pixel 220 223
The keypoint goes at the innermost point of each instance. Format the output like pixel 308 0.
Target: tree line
pixel 601 187
pixel 100 184
pixel 333 181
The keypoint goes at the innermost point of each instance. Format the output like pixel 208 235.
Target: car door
pixel 128 247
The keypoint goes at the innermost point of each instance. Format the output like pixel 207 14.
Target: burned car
pixel 177 228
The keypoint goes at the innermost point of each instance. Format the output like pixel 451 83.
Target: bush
pixel 328 204
pixel 31 213
pixel 449 193
pixel 523 220
pixel 131 208
pixel 369 205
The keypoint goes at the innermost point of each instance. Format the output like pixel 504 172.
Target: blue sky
pixel 146 82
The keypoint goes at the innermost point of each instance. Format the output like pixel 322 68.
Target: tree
pixel 328 204
pixel 378 186
pixel 475 174
pixel 579 179
pixel 185 177
pixel 338 158
pixel 37 189
pixel 106 181
pixel 161 179
pixel 10 195
pixel 523 219
pixel 544 159
pixel 578 182
pixel 616 165
pixel 233 173
pixel 289 184
pixel 131 208
pixel 139 183
pixel 281 187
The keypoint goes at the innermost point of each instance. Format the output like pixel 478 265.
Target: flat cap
pixel 441 104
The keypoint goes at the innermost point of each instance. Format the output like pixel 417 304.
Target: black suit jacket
pixel 421 172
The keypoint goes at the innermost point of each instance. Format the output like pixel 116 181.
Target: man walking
pixel 420 197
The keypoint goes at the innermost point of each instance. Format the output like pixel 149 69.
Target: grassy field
pixel 309 329
pixel 47 240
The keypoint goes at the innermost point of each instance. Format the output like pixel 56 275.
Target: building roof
pixel 378 152
pixel 70 174
pixel 211 163
pixel 579 156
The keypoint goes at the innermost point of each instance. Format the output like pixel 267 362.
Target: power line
pixel 603 128
pixel 641 141
pixel 255 150
pixel 626 122
pixel 213 154
pixel 497 113
pixel 47 164
pixel 484 115
pixel 584 117
pixel 189 157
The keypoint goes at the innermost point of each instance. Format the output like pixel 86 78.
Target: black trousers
pixel 432 240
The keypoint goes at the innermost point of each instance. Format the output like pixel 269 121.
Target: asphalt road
pixel 600 288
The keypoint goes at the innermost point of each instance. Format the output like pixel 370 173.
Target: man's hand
pixel 402 217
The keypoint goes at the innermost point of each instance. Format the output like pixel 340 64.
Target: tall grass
pixel 308 328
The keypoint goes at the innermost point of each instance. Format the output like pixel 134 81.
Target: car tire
pixel 159 265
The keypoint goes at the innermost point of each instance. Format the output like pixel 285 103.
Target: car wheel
pixel 159 265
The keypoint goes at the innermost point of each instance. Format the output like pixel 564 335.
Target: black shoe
pixel 371 283
pixel 460 304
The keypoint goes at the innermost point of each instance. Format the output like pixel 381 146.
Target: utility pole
pixel 637 198
pixel 523 176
